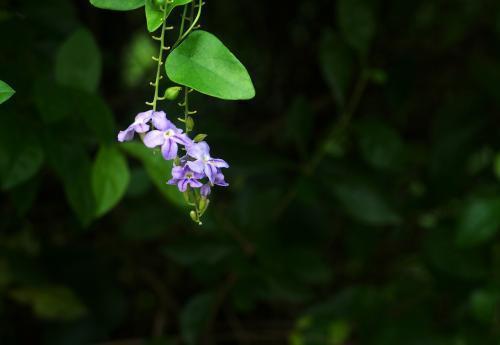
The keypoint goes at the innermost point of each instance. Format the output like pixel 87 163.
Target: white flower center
pixel 168 134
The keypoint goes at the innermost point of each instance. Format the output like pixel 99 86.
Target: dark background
pixel 364 199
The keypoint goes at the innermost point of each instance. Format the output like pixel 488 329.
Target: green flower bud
pixel 189 124
pixel 203 205
pixel 172 93
pixel 199 137
pixel 194 216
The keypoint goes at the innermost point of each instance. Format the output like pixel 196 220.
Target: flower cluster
pixel 194 169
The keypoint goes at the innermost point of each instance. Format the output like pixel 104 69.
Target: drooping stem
pixel 183 34
pixel 159 60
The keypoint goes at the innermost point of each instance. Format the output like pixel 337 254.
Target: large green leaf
pixel 21 156
pixel 337 64
pixel 381 145
pixel 205 64
pixel 479 222
pixel 118 5
pixel 24 164
pixel 6 91
pixel 137 59
pixel 78 62
pixel 72 164
pixel 357 23
pixel 364 203
pixel 154 14
pixel 110 178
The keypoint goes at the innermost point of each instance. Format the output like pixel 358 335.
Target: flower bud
pixel 203 205
pixel 172 93
pixel 189 124
pixel 199 137
pixel 194 216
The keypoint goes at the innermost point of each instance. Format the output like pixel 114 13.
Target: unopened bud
pixel 199 137
pixel 194 216
pixel 172 93
pixel 203 204
pixel 189 124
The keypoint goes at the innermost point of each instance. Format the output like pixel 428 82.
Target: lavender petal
pixel 169 149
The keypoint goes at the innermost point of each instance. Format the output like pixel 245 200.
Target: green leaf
pixel 78 62
pixel 158 169
pixel 97 116
pixel 54 102
pixel 203 63
pixel 337 65
pixel 137 59
pixel 364 203
pixel 21 157
pixel 118 5
pixel 381 145
pixel 154 14
pixel 73 166
pixel 357 23
pixel 496 166
pixel 195 315
pixel 52 302
pixel 24 164
pixel 479 222
pixel 484 304
pixel 6 91
pixel 110 178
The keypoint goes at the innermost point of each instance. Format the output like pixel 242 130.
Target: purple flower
pixel 184 177
pixel 218 181
pixel 140 125
pixel 166 135
pixel 203 162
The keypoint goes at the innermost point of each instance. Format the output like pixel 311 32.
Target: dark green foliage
pixel 364 206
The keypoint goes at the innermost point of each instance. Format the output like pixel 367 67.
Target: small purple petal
pixel 200 150
pixel 154 139
pixel 143 117
pixel 182 184
pixel 219 163
pixel 182 139
pixel 126 135
pixel 205 190
pixel 219 180
pixel 195 183
pixel 196 166
pixel 178 172
pixel 141 128
pixel 210 171
pixel 172 181
pixel 161 122
pixel 169 149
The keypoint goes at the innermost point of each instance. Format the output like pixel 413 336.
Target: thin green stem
pixel 183 22
pixel 159 59
pixel 193 22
